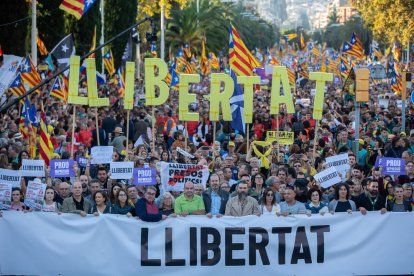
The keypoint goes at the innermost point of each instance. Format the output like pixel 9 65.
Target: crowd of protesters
pixel 239 184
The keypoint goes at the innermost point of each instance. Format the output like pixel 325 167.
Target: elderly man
pixel 215 200
pixel 62 192
pixel 242 204
pixel 189 203
pixel 76 204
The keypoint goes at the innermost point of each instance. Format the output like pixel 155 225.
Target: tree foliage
pixel 152 7
pixel 389 20
pixel 12 37
pixel 50 25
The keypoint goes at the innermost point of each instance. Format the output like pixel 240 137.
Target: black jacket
pixel 364 201
pixel 207 200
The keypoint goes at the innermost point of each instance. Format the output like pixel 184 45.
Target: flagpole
pixel 73 130
pixel 97 127
pixel 162 32
pixel 185 136
pixel 102 40
pixel 153 129
pixel 127 134
pixel 247 137
pixel 214 131
pixel 34 34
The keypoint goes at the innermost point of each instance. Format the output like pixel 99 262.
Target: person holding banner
pixel 342 201
pixel 50 205
pixel 100 206
pixel 215 200
pixel 17 204
pixel 242 204
pixel 189 203
pixel 315 205
pixel 269 206
pixel 166 204
pixel 122 206
pixel 371 200
pixel 76 204
pixel 291 206
pixel 146 208
pixel 399 204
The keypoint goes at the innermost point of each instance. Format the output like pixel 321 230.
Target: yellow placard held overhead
pixel 92 85
pixel 129 85
pixel 280 75
pixel 73 90
pixel 186 98
pixel 151 80
pixel 248 82
pixel 217 97
pixel 321 79
pixel 282 137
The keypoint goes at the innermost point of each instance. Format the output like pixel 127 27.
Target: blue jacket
pixel 141 211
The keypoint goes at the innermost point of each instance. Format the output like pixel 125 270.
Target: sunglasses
pixel 269 194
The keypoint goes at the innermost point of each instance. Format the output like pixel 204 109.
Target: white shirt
pixel 275 209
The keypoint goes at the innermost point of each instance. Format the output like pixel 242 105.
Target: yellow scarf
pixel 263 156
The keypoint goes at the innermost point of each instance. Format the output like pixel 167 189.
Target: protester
pixel 76 203
pixel 189 203
pixel 50 205
pixel 242 204
pixel 342 201
pixel 17 197
pixel 166 204
pixel 146 208
pixel 291 206
pixel 371 200
pixel 315 205
pixel 100 206
pixel 122 205
pixel 268 205
pixel 215 200
pixel 399 204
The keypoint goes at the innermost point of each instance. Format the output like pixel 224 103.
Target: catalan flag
pixel 29 74
pixel 203 61
pixel 289 37
pixel 302 41
pixel 291 76
pixel 241 60
pixel 172 78
pixel 187 50
pixel 93 45
pixel 120 83
pixel 57 91
pixel 17 87
pixel 348 49
pixel 396 51
pixel 24 120
pixel 345 67
pixel 154 50
pixel 356 43
pixel 41 46
pixel 213 61
pixel 109 62
pixel 45 145
pixel 77 8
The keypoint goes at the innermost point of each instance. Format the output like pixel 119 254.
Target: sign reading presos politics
pixel 145 176
pixel 328 177
pixel 175 175
pixel 82 161
pixel 121 170
pixel 5 196
pixel 391 165
pixel 61 168
pixel 33 168
pixel 101 154
pixel 35 195
pixel 340 162
pixel 10 176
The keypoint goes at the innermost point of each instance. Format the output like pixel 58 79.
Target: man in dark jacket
pixel 215 200
pixel 371 200
pixel 146 208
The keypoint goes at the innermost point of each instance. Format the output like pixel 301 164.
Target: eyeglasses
pixel 297 166
pixel 225 187
pixel 269 194
pixel 151 194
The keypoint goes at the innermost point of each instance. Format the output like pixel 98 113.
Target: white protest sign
pixel 33 168
pixel 35 195
pixel 5 196
pixel 340 162
pixel 101 155
pixel 174 175
pixel 185 153
pixel 10 176
pixel 8 71
pixel 328 177
pixel 121 170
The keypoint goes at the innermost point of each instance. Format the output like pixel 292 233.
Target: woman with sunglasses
pixel 269 205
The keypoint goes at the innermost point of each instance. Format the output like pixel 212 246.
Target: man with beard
pixel 371 200
pixel 242 204
pixel 188 203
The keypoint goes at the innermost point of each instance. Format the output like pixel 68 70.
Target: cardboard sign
pixel 121 170
pixel 82 161
pixel 391 165
pixel 101 155
pixel 328 177
pixel 35 195
pixel 33 168
pixel 174 175
pixel 5 196
pixel 340 162
pixel 282 137
pixel 61 168
pixel 11 177
pixel 145 176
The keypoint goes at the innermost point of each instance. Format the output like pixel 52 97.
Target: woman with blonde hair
pixel 166 204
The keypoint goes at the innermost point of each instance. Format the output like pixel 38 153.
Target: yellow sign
pixel 282 137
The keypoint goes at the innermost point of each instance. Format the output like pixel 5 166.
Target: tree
pixel 152 7
pixel 389 20
pixel 12 37
pixel 50 22
pixel 333 17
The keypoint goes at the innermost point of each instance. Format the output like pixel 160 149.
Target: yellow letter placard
pixel 280 74
pixel 94 100
pixel 248 82
pixel 129 85
pixel 217 97
pixel 186 98
pixel 321 79
pixel 151 81
pixel 73 97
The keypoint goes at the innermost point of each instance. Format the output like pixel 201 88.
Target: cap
pixel 403 133
pixel 361 141
pixel 231 144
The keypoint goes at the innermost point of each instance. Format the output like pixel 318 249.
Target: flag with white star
pixel 17 87
pixel 64 50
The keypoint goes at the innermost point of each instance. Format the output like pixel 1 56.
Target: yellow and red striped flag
pixel 204 63
pixel 29 73
pixel 57 90
pixel 93 45
pixel 17 87
pixel 214 63
pixel 241 60
pixel 109 62
pixel 41 46
pixel 44 140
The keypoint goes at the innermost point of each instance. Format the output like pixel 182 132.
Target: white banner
pixel 10 176
pixel 5 196
pixel 175 175
pixel 121 170
pixel 8 71
pixel 340 162
pixel 328 177
pixel 101 154
pixel 35 195
pixel 33 167
pixel 339 244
